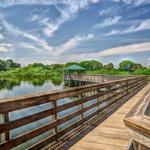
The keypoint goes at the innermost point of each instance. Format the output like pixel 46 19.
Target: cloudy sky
pixel 57 31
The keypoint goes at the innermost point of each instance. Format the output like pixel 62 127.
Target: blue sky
pixel 58 31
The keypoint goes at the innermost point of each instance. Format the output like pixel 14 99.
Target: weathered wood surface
pixel 109 93
pixel 138 123
pixel 112 133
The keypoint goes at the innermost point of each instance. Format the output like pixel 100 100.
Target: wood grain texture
pixel 112 133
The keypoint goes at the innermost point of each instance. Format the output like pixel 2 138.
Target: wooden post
pixel 98 99
pixel 2 136
pixel 3 119
pixel 81 107
pixel 54 116
pixel 109 91
pixel 6 117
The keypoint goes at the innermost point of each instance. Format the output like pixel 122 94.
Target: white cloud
pixel 5 47
pixel 6 44
pixel 16 31
pixel 8 3
pixel 133 48
pixel 30 46
pixel 40 45
pixel 103 12
pixel 136 27
pixel 33 18
pixel 134 2
pixel 108 22
pixel 50 29
pixel 128 49
pixel 68 12
pixel 1 37
pixel 106 11
pixel 56 56
pixel 72 43
pixel 143 25
pixel 113 32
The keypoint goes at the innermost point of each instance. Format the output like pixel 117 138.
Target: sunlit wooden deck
pixel 112 133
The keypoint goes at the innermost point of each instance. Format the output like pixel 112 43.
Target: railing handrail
pixel 68 90
pixel 123 75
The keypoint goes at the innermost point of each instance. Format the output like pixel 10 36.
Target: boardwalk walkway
pixel 112 133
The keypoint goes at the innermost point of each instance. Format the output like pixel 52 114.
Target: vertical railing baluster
pixel 2 136
pixel 4 118
pixel 98 99
pixel 81 107
pixel 54 116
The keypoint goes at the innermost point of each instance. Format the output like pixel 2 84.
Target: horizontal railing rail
pixel 80 104
pixel 92 78
pixel 84 77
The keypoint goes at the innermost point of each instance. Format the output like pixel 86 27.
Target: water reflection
pixel 14 87
pixel 9 83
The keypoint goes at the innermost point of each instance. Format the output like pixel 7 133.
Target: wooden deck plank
pixel 112 133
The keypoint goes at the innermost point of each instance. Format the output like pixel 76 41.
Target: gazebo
pixel 72 74
pixel 75 68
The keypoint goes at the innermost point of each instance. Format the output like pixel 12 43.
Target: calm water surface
pixel 9 88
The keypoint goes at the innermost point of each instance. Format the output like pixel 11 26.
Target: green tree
pixel 126 65
pixel 35 65
pixel 9 64
pixel 71 63
pixel 136 66
pixel 91 65
pixel 2 65
pixel 109 66
pixel 56 66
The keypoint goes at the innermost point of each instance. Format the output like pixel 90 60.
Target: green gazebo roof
pixel 75 67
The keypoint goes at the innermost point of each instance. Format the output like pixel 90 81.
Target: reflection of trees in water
pixel 37 82
pixel 9 83
pixel 56 81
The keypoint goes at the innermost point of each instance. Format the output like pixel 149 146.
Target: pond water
pixel 13 87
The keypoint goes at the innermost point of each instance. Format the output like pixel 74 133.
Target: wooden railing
pixel 94 78
pixel 138 124
pixel 83 102
pixel 84 77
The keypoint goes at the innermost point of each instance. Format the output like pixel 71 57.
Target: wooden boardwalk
pixel 112 133
pixel 91 101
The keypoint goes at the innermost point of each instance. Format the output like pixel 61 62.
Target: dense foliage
pixel 8 64
pixel 10 69
pixel 88 65
pixel 35 71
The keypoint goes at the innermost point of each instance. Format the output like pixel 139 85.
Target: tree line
pixel 89 65
pixel 125 65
